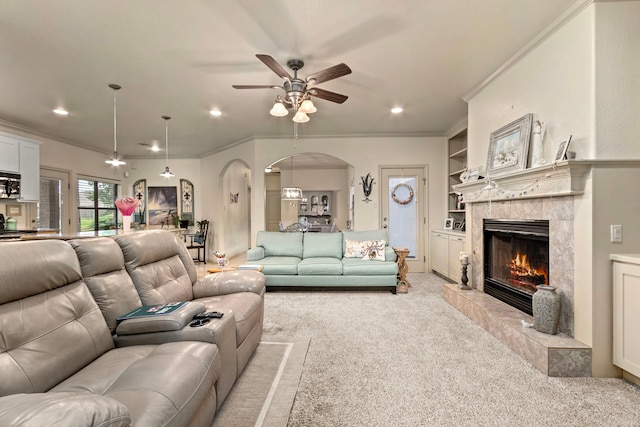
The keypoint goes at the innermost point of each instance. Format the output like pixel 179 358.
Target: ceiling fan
pixel 299 91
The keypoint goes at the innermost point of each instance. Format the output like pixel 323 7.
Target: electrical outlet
pixel 616 233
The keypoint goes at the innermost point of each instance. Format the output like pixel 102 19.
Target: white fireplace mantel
pixel 557 179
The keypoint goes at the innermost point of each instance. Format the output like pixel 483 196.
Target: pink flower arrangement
pixel 126 205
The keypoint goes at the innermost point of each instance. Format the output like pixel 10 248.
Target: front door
pixel 403 212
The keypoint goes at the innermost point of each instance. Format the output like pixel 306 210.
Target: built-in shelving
pixel 457 164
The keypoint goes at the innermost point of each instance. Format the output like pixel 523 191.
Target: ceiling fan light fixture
pixel 307 107
pixel 278 110
pixel 300 117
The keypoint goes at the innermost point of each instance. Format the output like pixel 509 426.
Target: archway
pixel 235 224
pixel 319 175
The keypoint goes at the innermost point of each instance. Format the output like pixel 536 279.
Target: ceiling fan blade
pixel 328 95
pixel 273 64
pixel 256 87
pixel 329 74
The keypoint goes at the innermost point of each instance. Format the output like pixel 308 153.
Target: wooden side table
pixel 403 269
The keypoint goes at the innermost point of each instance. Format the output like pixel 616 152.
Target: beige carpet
pixel 377 359
pixel 264 393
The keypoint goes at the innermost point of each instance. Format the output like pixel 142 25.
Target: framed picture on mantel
pixel 509 147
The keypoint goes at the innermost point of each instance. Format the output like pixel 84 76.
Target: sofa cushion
pixel 359 267
pixel 280 265
pixel 323 266
pixel 153 260
pixel 280 244
pixel 50 326
pixel 161 385
pixel 322 245
pixel 103 269
pixel 62 409
pixel 245 306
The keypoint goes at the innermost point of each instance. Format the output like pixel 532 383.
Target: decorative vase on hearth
pixel 546 310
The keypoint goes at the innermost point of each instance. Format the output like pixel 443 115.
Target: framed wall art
pixel 186 201
pixel 162 205
pixel 509 147
pixel 140 193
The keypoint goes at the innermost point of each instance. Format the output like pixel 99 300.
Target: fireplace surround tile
pixel 555 355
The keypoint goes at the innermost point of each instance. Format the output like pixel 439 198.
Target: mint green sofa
pixel 316 260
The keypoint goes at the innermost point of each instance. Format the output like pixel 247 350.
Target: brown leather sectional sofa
pixel 65 358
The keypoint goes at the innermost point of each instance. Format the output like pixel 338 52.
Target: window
pixel 96 205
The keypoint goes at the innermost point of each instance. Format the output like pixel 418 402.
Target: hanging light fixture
pixel 291 193
pixel 115 159
pixel 167 172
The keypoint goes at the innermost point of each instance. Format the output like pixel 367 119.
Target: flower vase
pixel 126 223
pixel 546 310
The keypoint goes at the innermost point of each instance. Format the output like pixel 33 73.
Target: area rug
pixel 264 393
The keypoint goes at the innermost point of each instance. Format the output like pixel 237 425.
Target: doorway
pixel 403 201
pixel 53 209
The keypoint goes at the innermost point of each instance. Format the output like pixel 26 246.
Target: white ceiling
pixel 180 58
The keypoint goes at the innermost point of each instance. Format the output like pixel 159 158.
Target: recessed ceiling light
pixel 396 110
pixel 61 112
pixel 154 147
pixel 215 113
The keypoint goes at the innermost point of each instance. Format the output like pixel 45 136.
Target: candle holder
pixel 464 261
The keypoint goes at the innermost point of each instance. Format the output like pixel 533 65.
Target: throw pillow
pixel 374 250
pixel 353 249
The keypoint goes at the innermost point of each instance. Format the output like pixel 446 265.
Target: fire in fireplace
pixel 516 260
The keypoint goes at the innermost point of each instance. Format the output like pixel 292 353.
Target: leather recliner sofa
pixel 63 360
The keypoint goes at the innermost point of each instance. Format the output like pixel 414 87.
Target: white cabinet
pixel 445 253
pixel 626 312
pixel 29 171
pixel 456 245
pixel 9 154
pixel 22 156
pixel 440 253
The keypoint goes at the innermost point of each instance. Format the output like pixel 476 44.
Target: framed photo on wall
pixel 509 147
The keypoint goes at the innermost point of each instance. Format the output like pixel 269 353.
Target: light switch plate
pixel 616 233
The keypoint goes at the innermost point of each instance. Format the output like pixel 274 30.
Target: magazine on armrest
pixel 153 310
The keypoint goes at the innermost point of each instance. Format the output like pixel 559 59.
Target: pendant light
pixel 167 172
pixel 291 193
pixel 115 159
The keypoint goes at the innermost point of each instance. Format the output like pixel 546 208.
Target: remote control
pixel 209 315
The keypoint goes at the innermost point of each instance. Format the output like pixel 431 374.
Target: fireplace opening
pixel 516 260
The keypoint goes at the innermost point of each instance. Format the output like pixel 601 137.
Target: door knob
pixel 384 226
pixel 384 219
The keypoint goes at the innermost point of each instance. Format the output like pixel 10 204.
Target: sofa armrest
pixel 64 409
pixel 389 253
pixel 255 254
pixel 229 282
pixel 174 321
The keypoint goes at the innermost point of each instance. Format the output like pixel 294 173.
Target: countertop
pixel 628 258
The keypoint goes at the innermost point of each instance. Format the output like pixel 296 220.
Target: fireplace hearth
pixel 516 260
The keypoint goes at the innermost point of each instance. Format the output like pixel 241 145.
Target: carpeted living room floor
pixel 377 359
